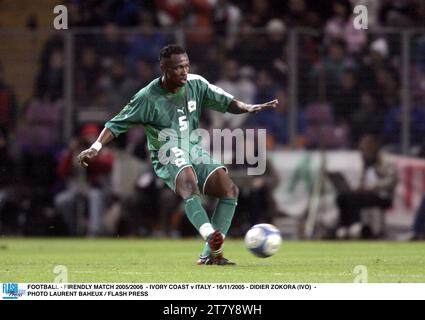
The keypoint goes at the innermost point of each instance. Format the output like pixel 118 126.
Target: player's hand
pixel 86 155
pixel 254 108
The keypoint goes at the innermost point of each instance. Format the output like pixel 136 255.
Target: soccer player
pixel 170 106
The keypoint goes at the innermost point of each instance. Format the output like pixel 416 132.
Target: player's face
pixel 369 149
pixel 176 69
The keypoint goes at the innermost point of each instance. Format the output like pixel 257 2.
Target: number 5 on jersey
pixel 183 123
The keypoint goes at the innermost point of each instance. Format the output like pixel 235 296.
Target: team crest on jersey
pixel 191 105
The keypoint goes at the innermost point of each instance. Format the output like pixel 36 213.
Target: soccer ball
pixel 263 240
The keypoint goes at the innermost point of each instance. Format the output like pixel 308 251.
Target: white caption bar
pixel 210 291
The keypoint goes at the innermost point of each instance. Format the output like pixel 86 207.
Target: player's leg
pixel 219 185
pixel 187 188
pixel 183 180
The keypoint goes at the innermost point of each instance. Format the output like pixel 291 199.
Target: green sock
pixel 195 211
pixel 221 219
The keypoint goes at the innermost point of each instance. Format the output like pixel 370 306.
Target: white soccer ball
pixel 263 240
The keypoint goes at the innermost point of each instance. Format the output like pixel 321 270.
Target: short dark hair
pixel 169 50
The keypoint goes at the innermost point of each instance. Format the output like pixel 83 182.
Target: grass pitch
pixel 152 261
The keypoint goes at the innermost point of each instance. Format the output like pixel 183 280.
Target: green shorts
pixel 202 164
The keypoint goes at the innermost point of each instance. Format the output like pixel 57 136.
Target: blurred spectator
pixel 226 20
pixel 275 40
pixel 111 45
pixel 297 13
pixel 214 57
pixel 256 203
pixel 420 13
pixel 329 72
pixel 41 126
pixel 418 71
pixel 418 227
pixel 84 185
pixel 236 82
pixel 119 85
pixel 387 89
pixel 366 118
pixel 376 189
pixel 199 29
pixel 341 26
pixel 170 12
pixel 260 13
pixel 8 106
pixel 393 124
pixel 143 74
pixel 276 122
pixel 153 209
pixel 49 81
pixel 240 87
pixel 98 13
pixel 346 98
pixel 341 11
pixel 54 43
pixel 400 13
pixel 7 166
pixel 249 47
pixel 280 67
pixel 125 13
pixel 76 15
pixel 321 131
pixel 147 43
pixel 38 136
pixel 124 216
pixel 87 76
pixel 377 75
pixel 101 101
pixel 266 87
pixel 9 200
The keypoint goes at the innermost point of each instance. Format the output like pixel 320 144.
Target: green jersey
pixel 169 120
pixel 157 109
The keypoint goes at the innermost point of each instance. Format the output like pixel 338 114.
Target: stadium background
pixel 334 83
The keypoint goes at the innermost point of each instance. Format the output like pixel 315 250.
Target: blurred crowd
pixel 348 85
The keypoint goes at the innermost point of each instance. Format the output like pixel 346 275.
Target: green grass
pixel 151 261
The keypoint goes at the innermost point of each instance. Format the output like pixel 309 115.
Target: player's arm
pixel 90 153
pixel 238 107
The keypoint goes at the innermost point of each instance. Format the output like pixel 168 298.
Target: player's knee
pixel 232 191
pixel 188 188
